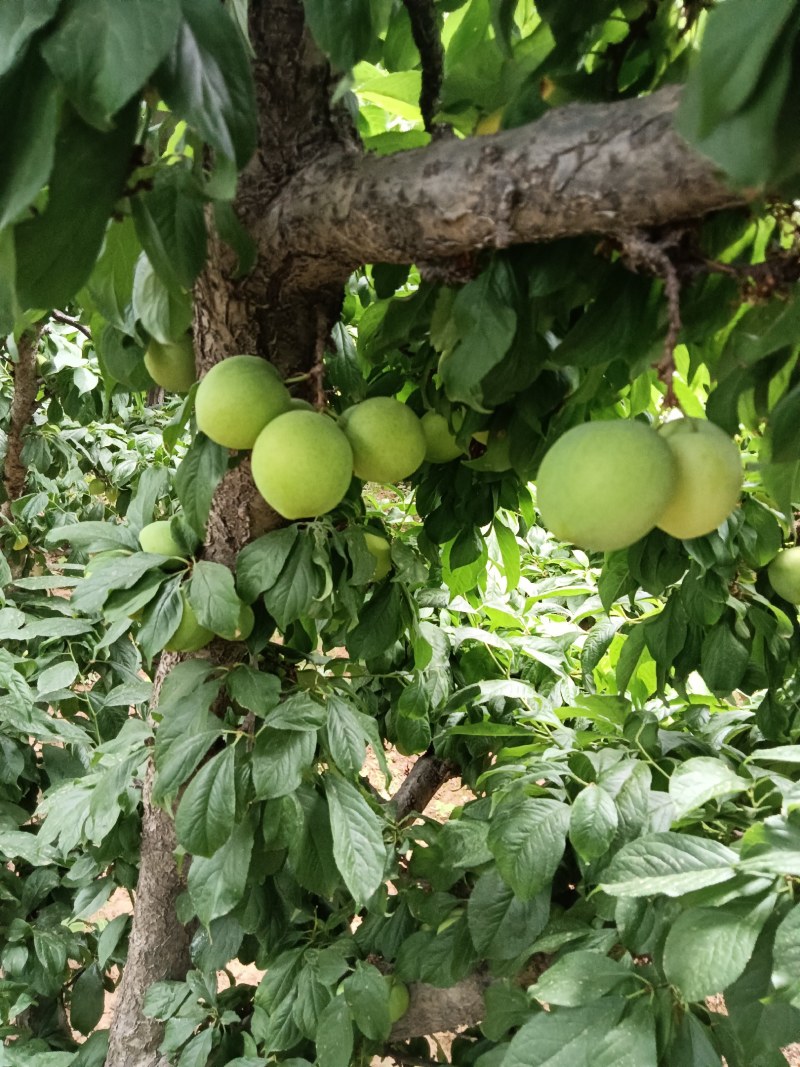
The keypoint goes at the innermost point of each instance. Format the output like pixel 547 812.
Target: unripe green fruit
pixel 380 549
pixel 157 537
pixel 709 478
pixel 297 404
pixel 440 445
pixel 302 464
pixel 171 365
pixel 246 622
pixel 603 485
pixel 399 998
pixel 190 635
pixel 784 574
pixel 386 437
pixel 237 398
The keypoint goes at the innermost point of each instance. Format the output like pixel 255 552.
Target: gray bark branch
pixel 422 783
pixel 23 405
pixel 586 168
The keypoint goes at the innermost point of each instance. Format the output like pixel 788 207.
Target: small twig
pixel 316 374
pixel 68 320
pixel 425 31
pixel 424 781
pixel 641 252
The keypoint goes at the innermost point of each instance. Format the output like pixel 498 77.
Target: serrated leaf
pixel 668 863
pixel 708 948
pixel 296 587
pixel 279 760
pixel 357 838
pixel 367 996
pixel 87 1001
pixel 700 779
pixel 593 822
pixel 56 250
pixel 260 563
pixel 214 600
pixel 207 81
pixel 197 478
pixel 346 736
pixel 217 883
pixel 19 20
pixel 206 813
pixel 335 1035
pixel 566 1038
pixel 161 618
pixel 299 711
pixel 90 54
pixel 500 924
pixel 579 978
pixel 165 313
pixel 527 840
pixel 342 28
pixel 171 227
pixel 257 691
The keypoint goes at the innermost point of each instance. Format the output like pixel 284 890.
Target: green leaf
pixel 723 658
pixel 357 838
pixel 367 996
pixel 620 324
pixel 342 28
pixel 691 1045
pixel 593 822
pixel 196 1052
pixel 668 863
pixel 631 1043
pixel 217 883
pixel 122 573
pixel 507 1007
pixel 700 779
pixel 347 736
pixel 279 760
pixel 708 948
pixel 121 360
pixel 772 846
pixel 260 563
pixel 110 284
pixel 526 838
pixel 87 1001
pixel 335 1035
pixel 19 20
pixel 257 691
pixel 91 55
pixel 161 618
pixel 197 478
pixel 786 954
pixel 206 80
pixel 297 585
pixel 214 600
pixel 380 623
pixel 298 712
pixel 165 313
pixel 500 924
pixel 486 321
pixel 29 111
pixel 580 978
pixel 566 1038
pixel 56 251
pixel 9 309
pixel 171 226
pixel 206 813
pixel 187 730
pixel 782 428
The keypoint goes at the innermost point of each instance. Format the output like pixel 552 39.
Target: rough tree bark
pixel 23 405
pixel 318 208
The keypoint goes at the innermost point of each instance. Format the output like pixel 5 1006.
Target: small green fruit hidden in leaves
pixel 157 537
pixel 399 998
pixel 237 398
pixel 440 445
pixel 302 464
pixel 190 635
pixel 603 485
pixel 709 477
pixel 381 550
pixel 386 437
pixel 784 574
pixel 171 365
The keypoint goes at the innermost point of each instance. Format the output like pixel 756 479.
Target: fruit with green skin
pixel 440 445
pixel 237 398
pixel 784 574
pixel 603 485
pixel 171 365
pixel 157 537
pixel 297 404
pixel 399 998
pixel 190 635
pixel 246 622
pixel 302 464
pixel 386 437
pixel 709 478
pixel 380 549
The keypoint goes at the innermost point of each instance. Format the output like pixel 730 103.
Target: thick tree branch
pixel 423 782
pixel 425 30
pixel 432 1010
pixel 586 168
pixel 23 406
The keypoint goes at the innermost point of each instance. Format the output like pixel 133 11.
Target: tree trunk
pixel 23 405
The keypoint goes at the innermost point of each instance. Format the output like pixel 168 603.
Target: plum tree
pixel 189 636
pixel 708 481
pixel 157 537
pixel 386 437
pixel 302 464
pixel 603 485
pixel 237 398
